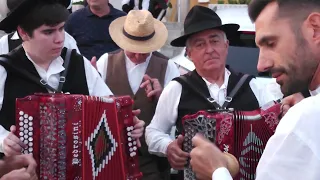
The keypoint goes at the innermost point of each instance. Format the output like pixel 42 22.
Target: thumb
pixel 180 140
pixel 146 77
pixel 198 139
pixel 13 129
pixel 136 112
pixel 94 62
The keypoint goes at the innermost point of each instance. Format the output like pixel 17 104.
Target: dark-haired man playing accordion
pixel 37 66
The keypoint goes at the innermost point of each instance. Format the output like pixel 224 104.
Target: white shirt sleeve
pixel 265 92
pixel 70 42
pixel 3 132
pixel 221 174
pixel 158 132
pixel 293 152
pixel 145 4
pixel 171 72
pixel 4 47
pixel 96 85
pixel 102 64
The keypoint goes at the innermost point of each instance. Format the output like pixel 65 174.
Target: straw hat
pixel 138 32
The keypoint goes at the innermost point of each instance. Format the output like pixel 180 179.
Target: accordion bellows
pixel 79 137
pixel 241 133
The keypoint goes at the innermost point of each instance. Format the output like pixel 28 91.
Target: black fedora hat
pixel 21 9
pixel 201 18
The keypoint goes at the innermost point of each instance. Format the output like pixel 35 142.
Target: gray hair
pixel 223 35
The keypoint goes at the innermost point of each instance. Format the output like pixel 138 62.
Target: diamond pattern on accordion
pixel 26 131
pixel 201 124
pixel 101 145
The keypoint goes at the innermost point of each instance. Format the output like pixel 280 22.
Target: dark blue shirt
pixel 92 32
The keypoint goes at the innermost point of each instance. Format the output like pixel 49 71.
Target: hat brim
pixel 135 46
pixel 11 22
pixel 227 28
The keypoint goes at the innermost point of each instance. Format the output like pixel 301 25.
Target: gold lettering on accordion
pixel 76 144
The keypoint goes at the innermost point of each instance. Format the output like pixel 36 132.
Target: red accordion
pixel 241 133
pixel 79 137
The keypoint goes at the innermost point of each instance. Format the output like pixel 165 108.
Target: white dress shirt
pixel 96 85
pixel 69 42
pixel 158 132
pixel 293 152
pixel 136 72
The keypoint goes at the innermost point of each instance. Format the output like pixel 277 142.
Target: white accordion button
pixel 130 149
pixel 132 128
pixel 30 128
pixel 130 144
pixel 135 148
pixel 128 128
pixel 21 138
pixel 133 154
pixel 30 139
pixel 21 118
pixel 25 126
pixel 21 134
pixel 26 116
pixel 134 143
pixel 30 133
pixel 30 123
pixel 30 118
pixel 129 133
pixel 20 123
pixel 25 121
pixel 30 144
pixel 21 129
pixel 21 113
pixel 129 139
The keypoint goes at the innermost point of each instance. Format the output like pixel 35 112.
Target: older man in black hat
pixel 206 41
pixel 41 65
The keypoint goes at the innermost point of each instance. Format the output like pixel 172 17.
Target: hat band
pixel 138 38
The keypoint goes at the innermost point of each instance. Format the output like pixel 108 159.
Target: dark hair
pixel 286 7
pixel 50 14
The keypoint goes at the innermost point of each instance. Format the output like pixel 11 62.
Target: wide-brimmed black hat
pixel 201 18
pixel 23 8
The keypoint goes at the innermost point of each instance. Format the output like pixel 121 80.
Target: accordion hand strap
pixel 210 100
pixel 7 64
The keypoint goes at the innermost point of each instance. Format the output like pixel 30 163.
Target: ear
pixel 313 22
pixel 23 34
pixel 188 51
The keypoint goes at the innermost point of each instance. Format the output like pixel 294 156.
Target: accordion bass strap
pixel 210 100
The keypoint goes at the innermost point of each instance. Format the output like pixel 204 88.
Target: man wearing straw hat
pixel 39 65
pixel 140 71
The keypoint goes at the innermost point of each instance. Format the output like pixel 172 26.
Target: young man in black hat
pixel 40 24
pixel 12 40
pixel 207 46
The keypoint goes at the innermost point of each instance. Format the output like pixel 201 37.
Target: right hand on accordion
pixel 206 157
pixel 22 167
pixel 12 145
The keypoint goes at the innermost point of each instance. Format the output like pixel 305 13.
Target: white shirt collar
pixel 130 64
pixel 315 92
pixel 55 67
pixel 15 36
pixel 226 80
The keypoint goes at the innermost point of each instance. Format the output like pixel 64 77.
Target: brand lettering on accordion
pixel 76 148
pixel 79 137
pixel 243 134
